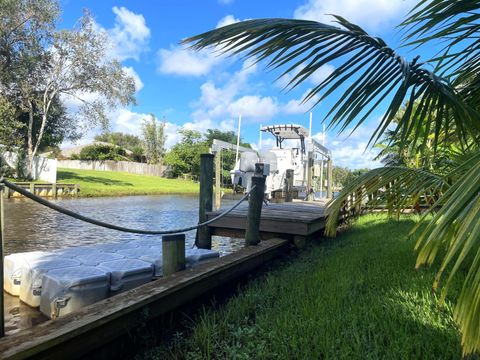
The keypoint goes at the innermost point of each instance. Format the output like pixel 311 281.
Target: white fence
pixel 110 165
pixel 43 168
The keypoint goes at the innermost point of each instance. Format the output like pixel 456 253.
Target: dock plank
pixel 296 218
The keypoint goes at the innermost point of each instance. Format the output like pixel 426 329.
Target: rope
pixel 111 226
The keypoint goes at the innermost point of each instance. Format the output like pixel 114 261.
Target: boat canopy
pixel 287 131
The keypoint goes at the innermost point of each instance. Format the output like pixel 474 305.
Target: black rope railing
pixel 70 213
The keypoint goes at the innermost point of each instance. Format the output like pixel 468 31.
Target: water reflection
pixel 30 226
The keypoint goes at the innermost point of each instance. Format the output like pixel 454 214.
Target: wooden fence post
pixel 288 185
pixel 252 229
pixel 173 253
pixel 2 226
pixel 204 237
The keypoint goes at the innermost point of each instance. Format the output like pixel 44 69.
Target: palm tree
pixel 436 102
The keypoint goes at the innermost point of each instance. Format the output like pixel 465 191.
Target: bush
pixel 102 152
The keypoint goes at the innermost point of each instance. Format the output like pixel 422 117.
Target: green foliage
pixel 110 183
pixel 153 139
pixel 126 141
pixel 343 176
pixel 10 127
pixel 39 64
pixel 184 157
pixel 102 152
pixel 355 297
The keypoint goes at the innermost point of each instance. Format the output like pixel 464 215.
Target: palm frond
pixel 395 186
pixel 456 227
pixel 456 24
pixel 380 75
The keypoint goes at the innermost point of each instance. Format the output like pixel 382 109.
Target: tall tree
pixel 154 138
pixel 43 64
pixel 371 76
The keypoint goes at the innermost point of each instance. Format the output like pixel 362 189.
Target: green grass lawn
pixel 353 297
pixel 111 183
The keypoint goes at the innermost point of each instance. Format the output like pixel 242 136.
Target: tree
pixel 47 64
pixel 10 127
pixel 184 157
pixel 126 141
pixel 154 139
pixel 371 76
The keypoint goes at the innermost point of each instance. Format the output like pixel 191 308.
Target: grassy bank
pixel 110 183
pixel 357 296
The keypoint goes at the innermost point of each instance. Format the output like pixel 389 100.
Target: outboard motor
pixel 246 168
pixel 269 157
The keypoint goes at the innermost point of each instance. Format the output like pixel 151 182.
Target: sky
pixel 202 90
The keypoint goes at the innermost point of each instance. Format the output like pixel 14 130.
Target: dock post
pixel 2 226
pixel 32 188
pixel 173 253
pixel 288 185
pixel 252 229
pixel 204 237
pixel 218 170
pixel 329 178
pixel 54 190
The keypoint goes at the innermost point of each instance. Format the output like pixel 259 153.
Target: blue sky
pixel 200 90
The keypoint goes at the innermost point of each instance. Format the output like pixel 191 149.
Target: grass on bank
pixel 356 296
pixel 112 183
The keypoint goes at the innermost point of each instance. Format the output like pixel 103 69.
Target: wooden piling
pixel 2 226
pixel 288 185
pixel 218 170
pixel 32 188
pixel 329 178
pixel 173 253
pixel 252 230
pixel 204 238
pixel 54 191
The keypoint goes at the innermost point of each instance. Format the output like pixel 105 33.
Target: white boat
pixel 295 150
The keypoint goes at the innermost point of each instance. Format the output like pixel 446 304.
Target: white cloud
pixel 132 73
pixel 225 2
pixel 227 20
pixel 254 107
pixel 296 106
pixel 316 78
pixel 321 74
pixel 371 14
pixel 181 61
pixel 130 34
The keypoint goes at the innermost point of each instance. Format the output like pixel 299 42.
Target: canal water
pixel 30 226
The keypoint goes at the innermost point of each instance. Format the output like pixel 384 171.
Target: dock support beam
pixel 329 179
pixel 2 226
pixel 252 230
pixel 204 237
pixel 173 253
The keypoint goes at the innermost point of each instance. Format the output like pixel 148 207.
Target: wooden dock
pixel 293 220
pixel 51 190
